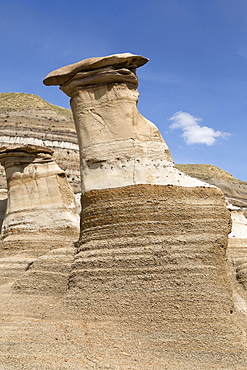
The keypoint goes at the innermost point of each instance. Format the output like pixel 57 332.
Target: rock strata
pixel 27 119
pixel 152 250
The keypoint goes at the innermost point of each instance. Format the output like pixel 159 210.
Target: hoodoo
pixel 40 200
pixel 152 248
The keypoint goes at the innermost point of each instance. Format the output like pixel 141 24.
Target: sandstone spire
pixel 152 249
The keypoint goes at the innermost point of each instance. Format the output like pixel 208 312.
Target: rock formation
pixel 118 146
pixel 41 211
pixel 152 250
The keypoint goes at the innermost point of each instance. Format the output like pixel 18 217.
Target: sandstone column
pixel 153 241
pixel 41 211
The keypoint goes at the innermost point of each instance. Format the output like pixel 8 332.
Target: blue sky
pixel 194 88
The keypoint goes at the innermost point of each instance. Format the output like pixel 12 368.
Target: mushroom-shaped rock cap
pixel 63 74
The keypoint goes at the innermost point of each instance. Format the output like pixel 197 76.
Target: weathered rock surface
pixel 154 256
pixel 41 211
pixel 125 60
pixel 152 250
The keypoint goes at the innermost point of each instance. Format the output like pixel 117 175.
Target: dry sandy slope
pixel 39 332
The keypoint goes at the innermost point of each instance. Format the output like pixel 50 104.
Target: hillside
pixel 235 190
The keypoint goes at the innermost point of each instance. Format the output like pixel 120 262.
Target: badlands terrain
pixel 28 119
pixel 42 327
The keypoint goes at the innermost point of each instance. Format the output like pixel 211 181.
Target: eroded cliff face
pixel 152 247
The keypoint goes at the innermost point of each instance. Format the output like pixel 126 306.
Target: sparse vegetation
pixel 207 171
pixel 235 190
pixel 10 102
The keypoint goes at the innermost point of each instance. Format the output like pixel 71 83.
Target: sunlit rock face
pixel 152 246
pixel 41 206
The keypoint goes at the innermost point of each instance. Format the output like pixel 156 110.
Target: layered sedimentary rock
pixel 41 211
pixel 27 119
pixel 152 246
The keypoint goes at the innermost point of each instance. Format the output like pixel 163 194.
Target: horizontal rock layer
pixel 154 256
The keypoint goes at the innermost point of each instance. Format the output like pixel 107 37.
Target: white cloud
pixel 193 133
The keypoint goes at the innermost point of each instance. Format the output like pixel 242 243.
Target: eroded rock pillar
pixel 153 241
pixel 41 210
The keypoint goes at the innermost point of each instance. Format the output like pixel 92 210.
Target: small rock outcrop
pixel 152 250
